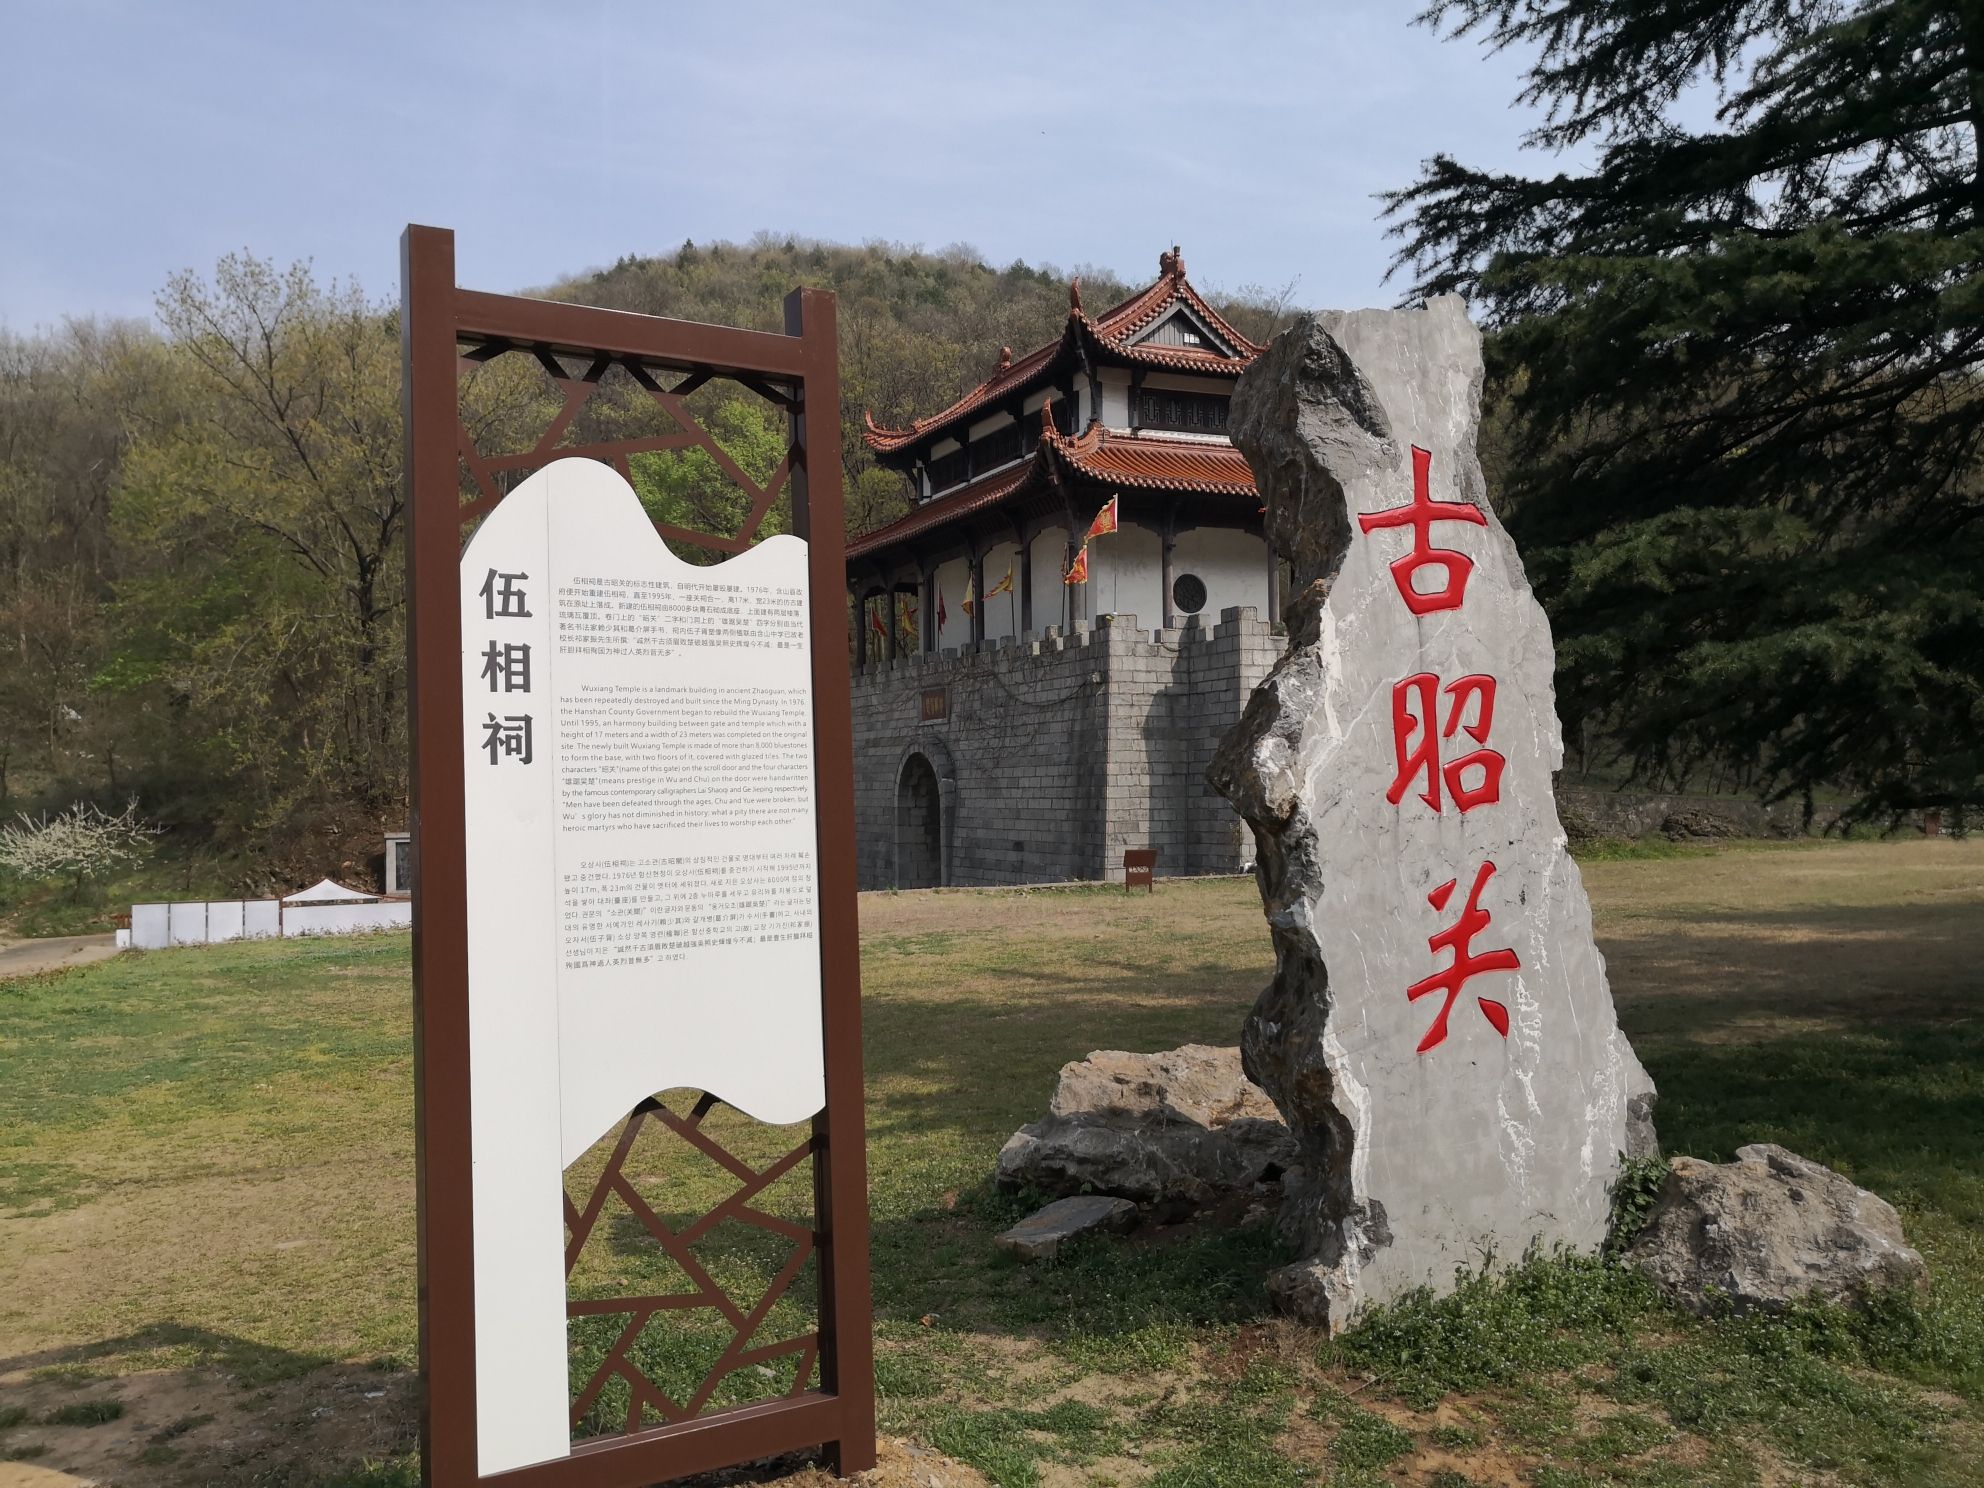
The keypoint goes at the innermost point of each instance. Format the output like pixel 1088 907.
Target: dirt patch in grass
pixel 201 1426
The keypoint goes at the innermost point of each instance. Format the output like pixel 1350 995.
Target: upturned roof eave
pixel 895 449
pixel 1085 339
pixel 1058 459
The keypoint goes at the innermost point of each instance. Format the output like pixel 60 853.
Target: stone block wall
pixel 1057 753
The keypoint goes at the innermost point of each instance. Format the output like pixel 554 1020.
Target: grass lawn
pixel 206 1228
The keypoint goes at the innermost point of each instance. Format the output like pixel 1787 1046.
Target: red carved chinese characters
pixel 1421 755
pixel 1420 515
pixel 1459 938
pixel 1417 733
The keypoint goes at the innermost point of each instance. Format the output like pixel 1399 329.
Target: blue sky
pixel 143 138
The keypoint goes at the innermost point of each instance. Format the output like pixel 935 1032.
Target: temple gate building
pixel 1011 727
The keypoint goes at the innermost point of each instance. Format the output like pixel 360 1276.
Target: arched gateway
pixel 924 784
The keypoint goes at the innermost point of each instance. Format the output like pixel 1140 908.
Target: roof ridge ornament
pixel 1075 295
pixel 1005 360
pixel 1172 264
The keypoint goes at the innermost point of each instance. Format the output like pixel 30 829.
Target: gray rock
pixel 1767 1230
pixel 1436 1132
pixel 1180 1127
pixel 1041 1235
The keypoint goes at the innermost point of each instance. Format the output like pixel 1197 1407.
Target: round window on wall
pixel 1189 593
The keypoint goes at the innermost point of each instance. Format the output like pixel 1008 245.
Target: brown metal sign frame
pixel 443 328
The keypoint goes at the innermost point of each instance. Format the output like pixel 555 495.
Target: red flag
pixel 942 618
pixel 1078 570
pixel 1105 520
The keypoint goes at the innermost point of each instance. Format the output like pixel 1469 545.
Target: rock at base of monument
pixel 1040 1236
pixel 1175 1130
pixel 1767 1230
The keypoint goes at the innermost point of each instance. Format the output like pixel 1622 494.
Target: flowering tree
pixel 81 843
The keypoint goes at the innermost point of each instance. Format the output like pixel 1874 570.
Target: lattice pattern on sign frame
pixel 486 472
pixel 582 1223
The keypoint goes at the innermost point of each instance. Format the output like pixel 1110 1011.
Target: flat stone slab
pixel 1040 1236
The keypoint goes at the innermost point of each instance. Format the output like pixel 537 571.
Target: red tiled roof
pixel 1003 381
pixel 1114 329
pixel 1147 461
pixel 987 490
pixel 1118 324
pixel 1152 460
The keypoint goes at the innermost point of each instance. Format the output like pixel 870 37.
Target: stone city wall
pixel 1053 754
pixel 1059 752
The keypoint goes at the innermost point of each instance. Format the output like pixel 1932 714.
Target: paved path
pixel 26 957
pixel 26 1474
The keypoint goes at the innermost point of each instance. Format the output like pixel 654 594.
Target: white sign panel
pixel 642 882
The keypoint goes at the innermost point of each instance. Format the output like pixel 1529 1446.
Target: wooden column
pixel 889 620
pixel 1168 574
pixel 977 598
pixel 926 620
pixel 1026 586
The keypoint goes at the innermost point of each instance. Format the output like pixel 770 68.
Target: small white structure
pixel 325 908
pixel 399 864
pixel 329 908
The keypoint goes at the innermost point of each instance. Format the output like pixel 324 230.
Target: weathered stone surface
pixel 1042 1234
pixel 1181 1126
pixel 1493 1140
pixel 1768 1229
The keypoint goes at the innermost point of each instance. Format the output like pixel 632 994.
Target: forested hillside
pixel 916 329
pixel 201 519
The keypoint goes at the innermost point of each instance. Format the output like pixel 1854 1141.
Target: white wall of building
pixel 1126 573
pixel 1002 611
pixel 956 630
pixel 1233 566
pixel 1115 396
pixel 1050 599
pixel 1125 568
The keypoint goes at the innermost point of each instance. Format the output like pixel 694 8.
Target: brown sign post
pixel 1140 869
pixel 446 329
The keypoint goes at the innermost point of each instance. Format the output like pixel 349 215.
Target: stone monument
pixel 1439 1033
